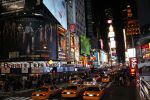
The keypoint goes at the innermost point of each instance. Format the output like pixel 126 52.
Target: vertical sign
pixel 133 65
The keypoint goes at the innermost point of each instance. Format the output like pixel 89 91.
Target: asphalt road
pixel 22 95
pixel 115 92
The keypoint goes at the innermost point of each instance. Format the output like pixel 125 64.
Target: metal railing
pixel 144 89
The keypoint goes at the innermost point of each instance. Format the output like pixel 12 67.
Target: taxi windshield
pixel 93 89
pixel 43 89
pixel 89 80
pixel 72 87
pixel 105 77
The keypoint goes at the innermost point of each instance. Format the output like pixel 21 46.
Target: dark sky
pixel 100 20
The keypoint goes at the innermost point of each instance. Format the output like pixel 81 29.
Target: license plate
pixel 90 94
pixel 68 92
pixel 37 95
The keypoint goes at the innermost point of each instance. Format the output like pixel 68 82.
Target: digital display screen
pixel 58 10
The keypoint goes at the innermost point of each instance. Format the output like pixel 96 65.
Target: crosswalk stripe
pixel 18 98
pixel 21 98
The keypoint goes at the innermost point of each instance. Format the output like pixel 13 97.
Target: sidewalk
pixel 121 93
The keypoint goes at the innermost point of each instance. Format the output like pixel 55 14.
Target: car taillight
pixel 84 94
pixel 42 94
pixel 74 92
pixel 63 92
pixel 33 94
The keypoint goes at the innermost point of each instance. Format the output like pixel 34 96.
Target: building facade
pixel 76 26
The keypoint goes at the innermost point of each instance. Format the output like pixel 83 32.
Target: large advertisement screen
pixel 85 45
pixel 8 6
pixel 28 37
pixel 58 9
pixel 103 56
pixel 131 52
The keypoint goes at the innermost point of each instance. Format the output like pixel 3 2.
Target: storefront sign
pixel 37 70
pixel 15 64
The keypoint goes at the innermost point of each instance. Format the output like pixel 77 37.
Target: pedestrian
pixel 120 80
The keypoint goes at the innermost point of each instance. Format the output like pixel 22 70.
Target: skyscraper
pixel 90 23
pixel 76 18
pixel 132 28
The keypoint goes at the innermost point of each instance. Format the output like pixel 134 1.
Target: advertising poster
pixel 9 6
pixel 5 70
pixel 133 65
pixel 28 37
pixel 58 10
pixel 62 43
pixel 96 62
pixel 47 69
pixel 24 70
pixel 85 45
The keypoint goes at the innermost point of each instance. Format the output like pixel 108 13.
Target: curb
pixel 23 91
pixel 9 93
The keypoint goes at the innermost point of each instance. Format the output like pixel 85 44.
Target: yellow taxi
pixel 88 81
pixel 45 92
pixel 93 92
pixel 72 91
pixel 105 79
pixel 75 80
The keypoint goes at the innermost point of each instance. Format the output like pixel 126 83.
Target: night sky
pixel 100 20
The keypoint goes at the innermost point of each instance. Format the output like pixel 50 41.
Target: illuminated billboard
pixel 28 38
pixel 62 43
pixel 8 6
pixel 131 52
pixel 112 44
pixel 85 45
pixel 111 34
pixel 58 10
pixel 103 56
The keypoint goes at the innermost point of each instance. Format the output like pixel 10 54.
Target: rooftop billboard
pixel 9 6
pixel 58 10
pixel 28 38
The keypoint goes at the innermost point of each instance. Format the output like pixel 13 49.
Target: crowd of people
pixel 15 83
pixel 123 78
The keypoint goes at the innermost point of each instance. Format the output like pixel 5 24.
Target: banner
pixel 5 70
